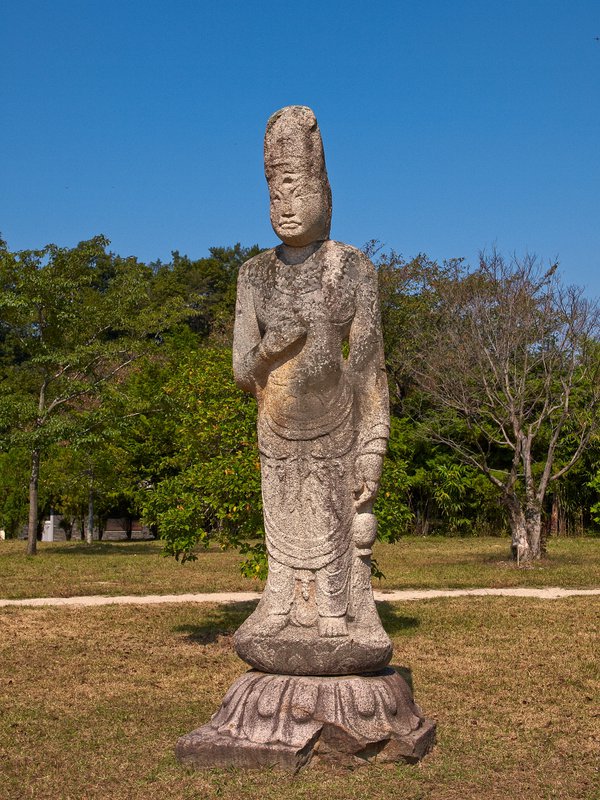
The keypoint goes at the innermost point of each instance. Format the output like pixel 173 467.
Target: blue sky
pixel 448 126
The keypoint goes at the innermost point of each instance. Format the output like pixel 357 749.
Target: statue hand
pixel 282 335
pixel 368 475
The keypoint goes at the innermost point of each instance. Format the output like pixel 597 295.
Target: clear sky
pixel 448 126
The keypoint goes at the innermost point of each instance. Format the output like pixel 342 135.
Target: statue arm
pixel 255 355
pixel 367 366
pixel 249 363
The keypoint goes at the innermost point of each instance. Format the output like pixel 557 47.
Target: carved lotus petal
pixel 240 687
pixel 389 701
pixel 364 700
pixel 304 703
pixel 269 699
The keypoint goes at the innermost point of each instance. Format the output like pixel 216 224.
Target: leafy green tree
pixel 88 479
pixel 213 491
pixel 425 489
pixel 208 285
pixel 506 363
pixel 394 515
pixel 592 486
pixel 73 320
pixel 13 490
pixel 570 501
pixel 595 485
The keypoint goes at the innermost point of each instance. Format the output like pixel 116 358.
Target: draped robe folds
pixel 318 411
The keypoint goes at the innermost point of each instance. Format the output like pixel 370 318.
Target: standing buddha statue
pixel 308 346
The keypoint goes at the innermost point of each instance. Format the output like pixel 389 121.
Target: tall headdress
pixel 293 144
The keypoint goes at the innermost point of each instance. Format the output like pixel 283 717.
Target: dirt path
pixel 392 596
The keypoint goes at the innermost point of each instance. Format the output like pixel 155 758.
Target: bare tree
pixel 510 360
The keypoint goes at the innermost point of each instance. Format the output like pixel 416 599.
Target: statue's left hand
pixel 368 475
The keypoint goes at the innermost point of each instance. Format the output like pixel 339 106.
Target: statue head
pixel 297 178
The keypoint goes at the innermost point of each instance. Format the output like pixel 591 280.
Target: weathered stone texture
pixel 308 346
pixel 323 423
pixel 290 722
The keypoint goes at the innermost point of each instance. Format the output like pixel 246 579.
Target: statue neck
pixel 297 255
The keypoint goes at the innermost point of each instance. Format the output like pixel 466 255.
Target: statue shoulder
pixel 355 262
pixel 256 269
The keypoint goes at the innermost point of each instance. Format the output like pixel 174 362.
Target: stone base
pixel 304 652
pixel 289 722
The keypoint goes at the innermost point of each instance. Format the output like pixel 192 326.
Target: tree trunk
pixel 34 479
pixel 533 518
pixel 526 522
pixel 554 525
pixel 89 534
pixel 518 528
pixel 526 530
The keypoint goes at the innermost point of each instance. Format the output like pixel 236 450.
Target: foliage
pixel 73 320
pixel 14 469
pixel 424 489
pixel 213 493
pixel 594 483
pixel 208 286
pixel 506 363
pixel 117 375
pixel 391 506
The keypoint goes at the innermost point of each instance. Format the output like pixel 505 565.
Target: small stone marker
pixel 308 346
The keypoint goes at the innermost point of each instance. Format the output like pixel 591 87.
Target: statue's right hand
pixel 282 335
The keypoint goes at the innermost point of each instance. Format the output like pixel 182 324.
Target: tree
pixel 72 320
pixel 508 361
pixel 593 484
pixel 13 490
pixel 87 479
pixel 208 285
pixel 210 489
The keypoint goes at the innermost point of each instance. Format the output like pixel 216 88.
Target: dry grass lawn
pixel 116 568
pixel 93 700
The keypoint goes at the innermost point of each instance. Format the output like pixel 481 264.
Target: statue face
pixel 299 208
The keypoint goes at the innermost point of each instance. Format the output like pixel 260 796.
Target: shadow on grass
pixel 505 561
pixel 121 548
pixel 222 621
pixel 394 622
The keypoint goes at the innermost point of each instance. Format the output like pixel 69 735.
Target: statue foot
pixel 333 626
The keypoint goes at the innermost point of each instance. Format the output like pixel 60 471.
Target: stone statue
pixel 308 346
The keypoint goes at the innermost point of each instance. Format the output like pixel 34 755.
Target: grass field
pixel 114 568
pixel 93 701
